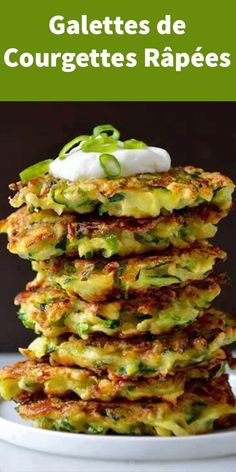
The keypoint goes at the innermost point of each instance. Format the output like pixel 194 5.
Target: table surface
pixel 15 459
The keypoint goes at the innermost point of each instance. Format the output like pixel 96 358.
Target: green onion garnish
pixel 110 165
pixel 103 128
pixel 34 171
pixel 134 144
pixel 101 141
pixel 71 144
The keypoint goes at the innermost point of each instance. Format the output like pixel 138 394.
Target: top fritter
pixel 140 196
pixel 124 179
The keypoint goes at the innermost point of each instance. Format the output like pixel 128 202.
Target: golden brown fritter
pixel 25 380
pixel 43 234
pixel 99 279
pixel 203 407
pixel 50 311
pixel 146 356
pixel 141 196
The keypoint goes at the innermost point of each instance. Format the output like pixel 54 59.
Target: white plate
pixel 16 431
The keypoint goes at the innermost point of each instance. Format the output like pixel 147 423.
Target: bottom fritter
pixel 203 407
pixel 25 380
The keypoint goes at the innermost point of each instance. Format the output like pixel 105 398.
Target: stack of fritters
pixel 128 341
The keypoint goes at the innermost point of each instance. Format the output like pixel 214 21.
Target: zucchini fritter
pixel 203 407
pixel 145 356
pixel 99 280
pixel 50 311
pixel 24 380
pixel 141 196
pixel 43 234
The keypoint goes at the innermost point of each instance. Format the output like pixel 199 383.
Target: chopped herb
pixel 112 242
pixel 83 329
pixel 66 281
pixel 131 388
pixel 122 371
pixel 142 317
pixel 66 425
pixel 195 175
pixel 196 411
pixel 50 350
pixel 79 235
pixel 88 255
pixel 119 273
pixel 84 203
pixel 164 276
pixel 161 264
pixel 145 369
pixel 117 197
pixel 42 306
pixel 183 232
pixel 168 349
pixel 144 238
pixel 111 324
pixel 62 243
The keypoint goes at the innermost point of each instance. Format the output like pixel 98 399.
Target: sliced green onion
pixel 104 128
pixel 71 144
pixel 134 144
pixel 101 143
pixel 108 163
pixel 34 171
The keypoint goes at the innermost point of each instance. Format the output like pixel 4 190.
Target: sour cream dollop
pixel 80 165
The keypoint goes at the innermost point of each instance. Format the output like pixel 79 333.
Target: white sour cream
pixel 80 165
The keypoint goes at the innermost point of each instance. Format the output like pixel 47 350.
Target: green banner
pixel 110 51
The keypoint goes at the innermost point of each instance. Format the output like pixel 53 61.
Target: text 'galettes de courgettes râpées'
pixel 129 343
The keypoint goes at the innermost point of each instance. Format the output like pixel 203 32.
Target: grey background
pixel 201 134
